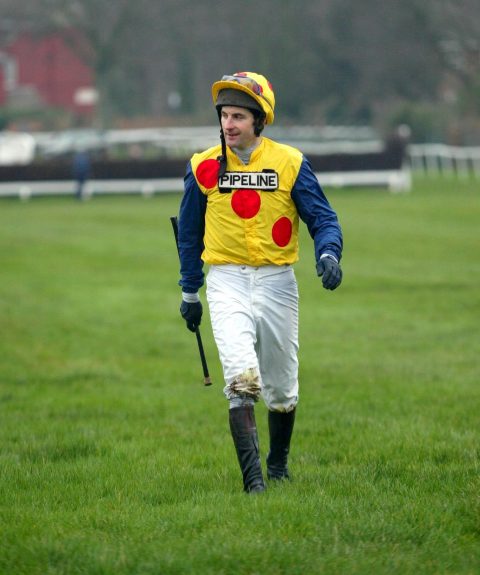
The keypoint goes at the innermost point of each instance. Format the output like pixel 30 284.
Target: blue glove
pixel 330 272
pixel 192 314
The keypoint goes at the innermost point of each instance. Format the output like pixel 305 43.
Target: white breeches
pixel 254 315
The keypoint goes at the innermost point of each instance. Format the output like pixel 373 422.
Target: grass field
pixel 116 460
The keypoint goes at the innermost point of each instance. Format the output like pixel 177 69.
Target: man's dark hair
pixel 258 122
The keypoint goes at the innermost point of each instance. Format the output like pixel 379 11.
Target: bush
pixel 427 122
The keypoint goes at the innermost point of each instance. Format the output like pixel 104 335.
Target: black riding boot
pixel 280 426
pixel 245 438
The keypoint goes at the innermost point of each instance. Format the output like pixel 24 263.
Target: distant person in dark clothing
pixel 81 172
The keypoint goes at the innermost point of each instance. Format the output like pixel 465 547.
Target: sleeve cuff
pixel 190 297
pixel 329 256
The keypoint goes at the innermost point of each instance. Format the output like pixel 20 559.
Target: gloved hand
pixel 192 314
pixel 330 272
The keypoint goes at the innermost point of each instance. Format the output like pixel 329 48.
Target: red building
pixel 48 71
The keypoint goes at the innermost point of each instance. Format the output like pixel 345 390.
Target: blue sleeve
pixel 314 209
pixel 191 229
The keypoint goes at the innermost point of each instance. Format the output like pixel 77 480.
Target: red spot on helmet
pixel 270 85
pixel 282 231
pixel 207 173
pixel 246 203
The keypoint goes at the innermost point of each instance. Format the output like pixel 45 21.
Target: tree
pixel 336 61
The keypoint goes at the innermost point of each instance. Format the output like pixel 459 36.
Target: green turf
pixel 116 460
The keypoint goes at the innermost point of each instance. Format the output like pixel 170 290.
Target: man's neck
pixel 245 153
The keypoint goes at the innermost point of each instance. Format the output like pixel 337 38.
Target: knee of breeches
pixel 246 385
pixel 280 403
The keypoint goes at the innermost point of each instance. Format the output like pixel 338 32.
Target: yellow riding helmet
pixel 255 85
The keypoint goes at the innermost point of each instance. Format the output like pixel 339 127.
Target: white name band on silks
pixel 249 180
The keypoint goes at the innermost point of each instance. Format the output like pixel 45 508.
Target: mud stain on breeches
pixel 245 384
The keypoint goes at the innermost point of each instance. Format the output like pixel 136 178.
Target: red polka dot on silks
pixel 246 203
pixel 207 173
pixel 282 231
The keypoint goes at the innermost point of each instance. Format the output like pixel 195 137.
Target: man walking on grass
pixel 240 214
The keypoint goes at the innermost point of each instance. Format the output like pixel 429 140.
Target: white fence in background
pixel 178 141
pixel 393 180
pixel 438 159
pixel 147 188
pixel 443 159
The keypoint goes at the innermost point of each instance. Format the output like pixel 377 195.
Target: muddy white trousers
pixel 254 315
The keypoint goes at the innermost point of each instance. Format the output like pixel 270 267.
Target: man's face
pixel 237 125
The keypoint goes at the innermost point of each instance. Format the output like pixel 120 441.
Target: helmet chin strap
pixel 223 158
